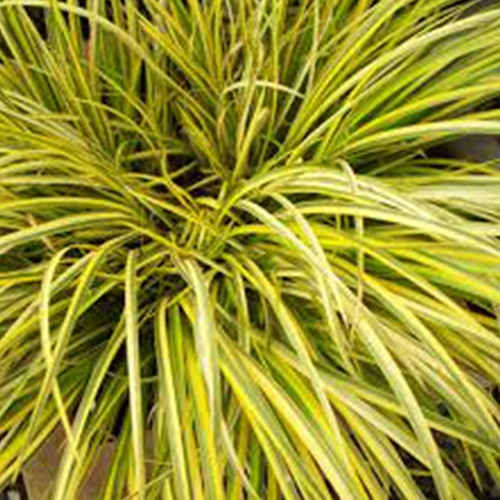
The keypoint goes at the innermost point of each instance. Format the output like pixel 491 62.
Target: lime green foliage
pixel 225 246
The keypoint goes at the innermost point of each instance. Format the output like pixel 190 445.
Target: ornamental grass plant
pixel 228 245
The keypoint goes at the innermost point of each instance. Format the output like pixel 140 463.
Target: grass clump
pixel 226 247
